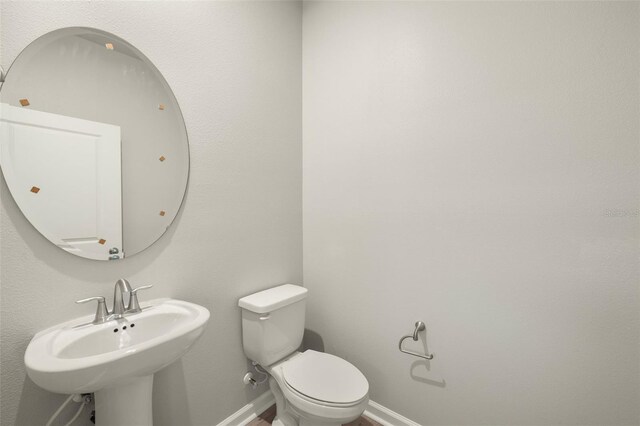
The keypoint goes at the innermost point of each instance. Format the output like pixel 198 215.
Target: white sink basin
pixel 117 358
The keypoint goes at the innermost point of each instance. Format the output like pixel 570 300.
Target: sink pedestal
pixel 126 404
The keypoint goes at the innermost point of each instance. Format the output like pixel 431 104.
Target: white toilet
pixel 311 388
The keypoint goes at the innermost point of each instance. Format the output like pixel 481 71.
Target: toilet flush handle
pixel 265 317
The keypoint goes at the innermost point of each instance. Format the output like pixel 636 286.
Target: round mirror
pixel 93 146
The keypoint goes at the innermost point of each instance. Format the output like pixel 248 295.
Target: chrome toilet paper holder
pixel 419 327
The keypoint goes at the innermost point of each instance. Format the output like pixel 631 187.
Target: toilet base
pixel 302 422
pixel 282 417
pixel 305 422
pixel 285 414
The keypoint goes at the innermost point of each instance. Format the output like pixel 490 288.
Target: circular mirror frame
pixel 75 31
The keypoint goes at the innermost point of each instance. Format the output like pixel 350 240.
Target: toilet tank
pixel 273 323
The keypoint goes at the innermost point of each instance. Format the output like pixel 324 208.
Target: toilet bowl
pixel 311 388
pixel 318 388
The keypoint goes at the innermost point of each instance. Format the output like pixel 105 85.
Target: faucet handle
pixel 144 287
pixel 134 306
pixel 101 313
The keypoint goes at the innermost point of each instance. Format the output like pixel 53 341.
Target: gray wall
pixel 476 166
pixel 235 70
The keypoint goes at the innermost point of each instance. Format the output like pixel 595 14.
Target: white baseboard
pixel 250 411
pixel 374 411
pixel 386 417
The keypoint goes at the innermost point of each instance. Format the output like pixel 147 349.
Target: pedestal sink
pixel 116 360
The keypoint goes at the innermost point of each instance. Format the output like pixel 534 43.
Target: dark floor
pixel 266 418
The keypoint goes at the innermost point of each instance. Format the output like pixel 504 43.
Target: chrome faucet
pixel 121 288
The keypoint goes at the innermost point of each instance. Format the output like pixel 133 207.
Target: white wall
pixel 235 70
pixel 476 166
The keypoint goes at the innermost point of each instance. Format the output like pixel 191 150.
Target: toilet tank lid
pixel 273 298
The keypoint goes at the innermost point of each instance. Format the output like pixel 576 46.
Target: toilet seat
pixel 325 379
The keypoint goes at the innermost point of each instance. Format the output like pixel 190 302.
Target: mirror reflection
pixel 93 146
